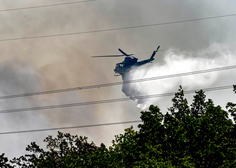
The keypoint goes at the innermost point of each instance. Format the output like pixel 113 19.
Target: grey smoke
pixel 63 62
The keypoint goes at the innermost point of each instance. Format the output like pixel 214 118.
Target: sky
pixel 59 62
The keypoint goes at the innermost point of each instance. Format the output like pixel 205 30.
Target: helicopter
pixel 130 62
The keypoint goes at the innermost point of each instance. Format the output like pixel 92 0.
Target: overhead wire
pixel 119 83
pixel 107 101
pixel 115 29
pixel 43 6
pixel 73 127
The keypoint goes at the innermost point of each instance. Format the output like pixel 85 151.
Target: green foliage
pixel 196 135
pixel 231 106
pixel 4 162
pixel 63 151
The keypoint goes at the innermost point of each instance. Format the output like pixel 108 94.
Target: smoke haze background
pixel 63 62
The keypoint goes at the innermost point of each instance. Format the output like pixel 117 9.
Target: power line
pixel 114 29
pixel 119 83
pixel 106 124
pixel 74 127
pixel 43 6
pixel 106 101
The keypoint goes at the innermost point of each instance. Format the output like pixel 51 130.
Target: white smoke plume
pixel 216 55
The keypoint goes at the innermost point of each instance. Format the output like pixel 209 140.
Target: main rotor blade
pixel 109 56
pixel 124 52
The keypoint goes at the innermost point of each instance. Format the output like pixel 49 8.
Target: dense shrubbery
pixel 199 135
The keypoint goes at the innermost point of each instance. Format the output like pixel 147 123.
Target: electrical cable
pixel 73 127
pixel 114 29
pixel 119 83
pixel 43 6
pixel 106 101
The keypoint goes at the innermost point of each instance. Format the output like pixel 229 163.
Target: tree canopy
pixel 197 135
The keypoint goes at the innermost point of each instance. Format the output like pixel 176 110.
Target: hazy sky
pixel 62 62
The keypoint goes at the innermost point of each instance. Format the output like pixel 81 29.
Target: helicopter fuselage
pixel 128 64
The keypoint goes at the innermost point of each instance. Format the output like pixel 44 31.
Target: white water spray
pixel 213 57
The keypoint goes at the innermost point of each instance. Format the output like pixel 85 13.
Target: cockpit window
pixel 121 65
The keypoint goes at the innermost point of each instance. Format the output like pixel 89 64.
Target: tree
pixel 62 152
pixel 4 162
pixel 196 135
pixel 199 135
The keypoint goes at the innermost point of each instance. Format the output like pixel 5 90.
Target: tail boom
pixel 154 53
